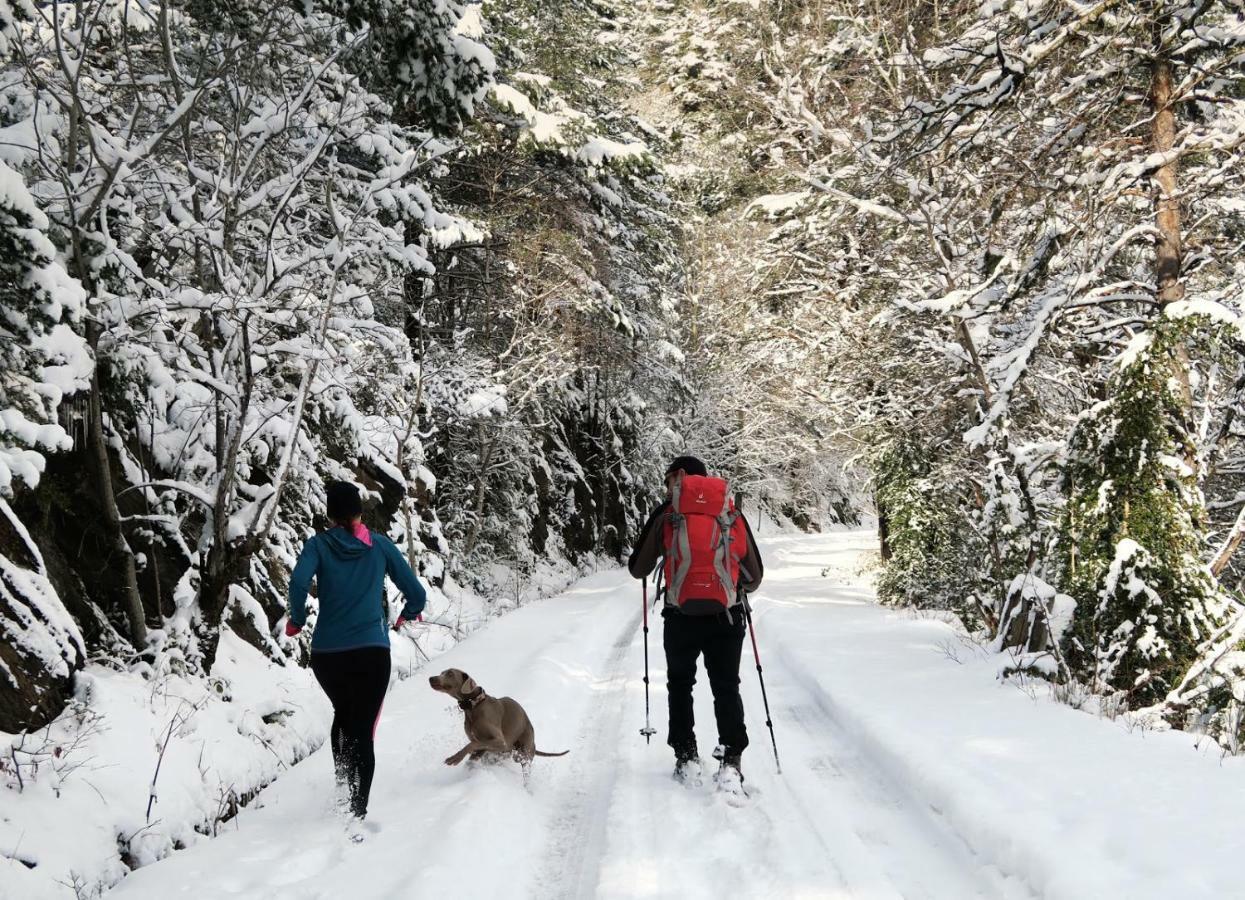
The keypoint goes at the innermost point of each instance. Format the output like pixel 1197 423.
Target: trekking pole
pixel 648 730
pixel 769 722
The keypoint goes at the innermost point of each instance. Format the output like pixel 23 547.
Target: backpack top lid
pixel 700 495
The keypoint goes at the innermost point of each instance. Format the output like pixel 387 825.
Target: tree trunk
pixel 223 560
pixel 477 523
pixel 407 513
pixel 1168 252
pixel 1167 249
pixel 884 533
pixel 132 600
pixel 222 567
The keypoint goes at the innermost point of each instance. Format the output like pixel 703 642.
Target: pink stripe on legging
pixel 376 721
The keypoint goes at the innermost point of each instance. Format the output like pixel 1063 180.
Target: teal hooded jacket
pixel 350 577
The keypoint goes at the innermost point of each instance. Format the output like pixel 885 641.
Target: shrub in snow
pixel 1031 623
pixel 1130 546
pixel 928 554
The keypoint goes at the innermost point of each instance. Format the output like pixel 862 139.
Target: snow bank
pixel 598 151
pixel 73 814
pixel 1075 805
pixel 75 810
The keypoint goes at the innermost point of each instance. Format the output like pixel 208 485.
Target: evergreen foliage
pixel 929 557
pixel 1130 547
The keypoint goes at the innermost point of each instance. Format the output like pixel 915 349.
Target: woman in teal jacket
pixel 350 645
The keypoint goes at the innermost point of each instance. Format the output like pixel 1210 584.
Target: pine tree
pixel 42 359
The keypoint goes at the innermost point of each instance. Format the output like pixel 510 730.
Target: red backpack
pixel 704 538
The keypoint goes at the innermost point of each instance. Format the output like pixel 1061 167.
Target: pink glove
pixel 291 629
pixel 397 626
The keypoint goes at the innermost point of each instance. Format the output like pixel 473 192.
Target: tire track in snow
pixel 835 824
pixel 576 842
pixel 857 832
pixel 889 819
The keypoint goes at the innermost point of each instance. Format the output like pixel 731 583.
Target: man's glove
pixel 291 629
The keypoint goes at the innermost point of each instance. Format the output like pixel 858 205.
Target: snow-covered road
pixel 862 808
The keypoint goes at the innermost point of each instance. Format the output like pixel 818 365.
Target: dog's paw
pixel 453 760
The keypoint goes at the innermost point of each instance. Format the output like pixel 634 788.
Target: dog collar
pixel 470 703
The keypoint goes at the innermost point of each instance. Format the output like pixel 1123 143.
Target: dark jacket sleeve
pixel 751 568
pixel 648 550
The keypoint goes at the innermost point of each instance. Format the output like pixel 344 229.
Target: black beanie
pixel 342 501
pixel 689 464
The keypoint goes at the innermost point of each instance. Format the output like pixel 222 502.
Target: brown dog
pixel 493 724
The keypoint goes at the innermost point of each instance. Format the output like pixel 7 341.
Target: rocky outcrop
pixel 40 644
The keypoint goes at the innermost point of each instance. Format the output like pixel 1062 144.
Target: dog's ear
pixel 469 685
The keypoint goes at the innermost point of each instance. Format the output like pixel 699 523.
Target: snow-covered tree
pixel 425 55
pixel 958 220
pixel 1056 201
pixel 244 225
pixel 41 357
pixel 43 360
pixel 297 259
pixel 549 364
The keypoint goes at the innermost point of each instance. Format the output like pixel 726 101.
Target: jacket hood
pixel 343 544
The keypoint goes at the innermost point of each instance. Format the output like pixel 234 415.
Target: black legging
pixel 355 681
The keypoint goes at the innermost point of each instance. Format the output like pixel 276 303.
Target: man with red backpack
pixel 709 560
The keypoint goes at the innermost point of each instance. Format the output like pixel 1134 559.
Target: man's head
pixel 688 465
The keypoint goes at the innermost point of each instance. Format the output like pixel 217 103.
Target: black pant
pixel 355 681
pixel 721 640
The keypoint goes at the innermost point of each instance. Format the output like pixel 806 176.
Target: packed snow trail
pixel 904 774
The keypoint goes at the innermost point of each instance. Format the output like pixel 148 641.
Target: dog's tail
pixel 543 753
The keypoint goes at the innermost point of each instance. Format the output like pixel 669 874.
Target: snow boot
pixel 730 777
pixel 689 772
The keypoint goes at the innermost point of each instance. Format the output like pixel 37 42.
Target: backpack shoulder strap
pixel 679 546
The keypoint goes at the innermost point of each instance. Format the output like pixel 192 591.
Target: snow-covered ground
pixel 77 810
pixel 908 771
